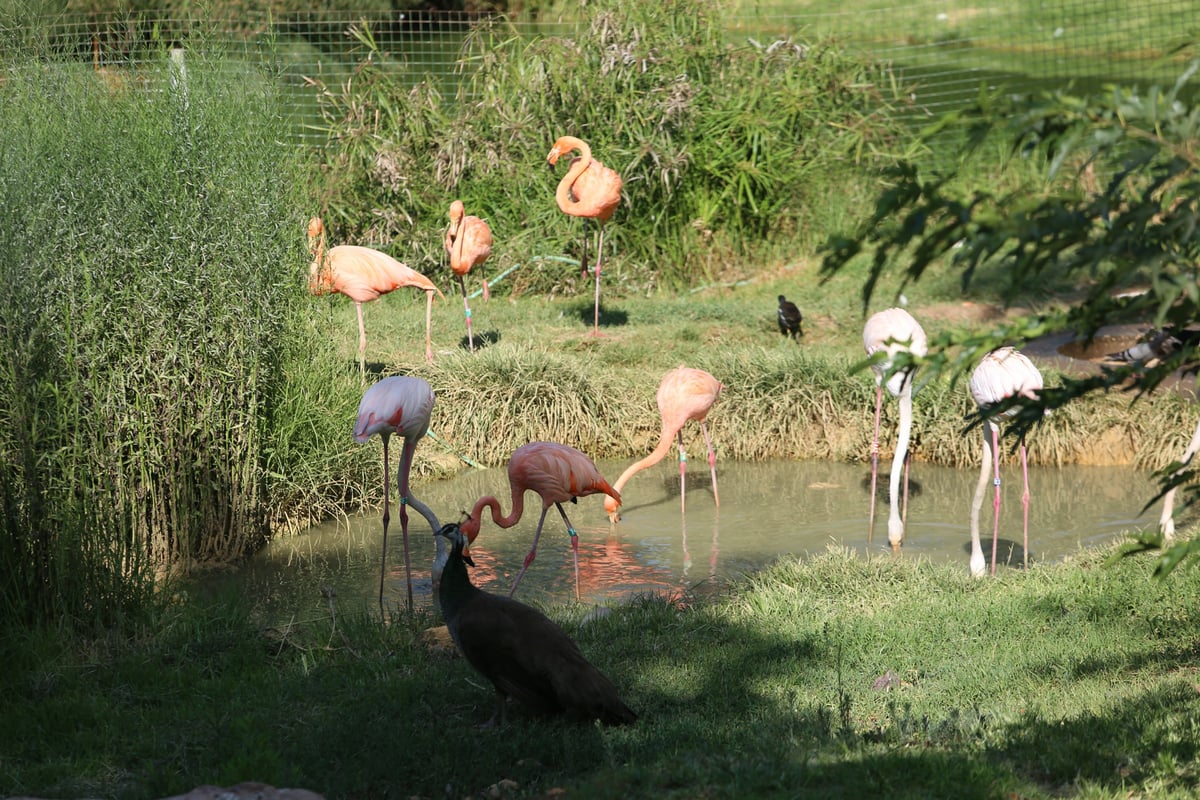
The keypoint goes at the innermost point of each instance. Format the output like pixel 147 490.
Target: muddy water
pixel 767 510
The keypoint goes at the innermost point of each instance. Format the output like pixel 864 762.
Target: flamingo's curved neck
pixel 660 451
pixel 457 234
pixel 518 508
pixel 563 195
pixel 316 278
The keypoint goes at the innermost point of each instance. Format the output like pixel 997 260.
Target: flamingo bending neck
pixel 471 526
pixel 656 455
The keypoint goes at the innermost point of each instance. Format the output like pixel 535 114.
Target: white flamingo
pixel 1003 373
pixel 893 331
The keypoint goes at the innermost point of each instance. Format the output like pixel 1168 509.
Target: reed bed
pixel 143 341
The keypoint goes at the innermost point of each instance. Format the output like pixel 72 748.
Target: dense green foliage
pixel 1124 228
pixel 837 677
pixel 150 270
pixel 723 149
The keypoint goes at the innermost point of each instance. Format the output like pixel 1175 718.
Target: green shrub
pixel 724 149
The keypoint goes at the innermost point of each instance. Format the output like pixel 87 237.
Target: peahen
pixel 520 650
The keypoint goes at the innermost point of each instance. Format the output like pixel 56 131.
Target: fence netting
pixel 941 51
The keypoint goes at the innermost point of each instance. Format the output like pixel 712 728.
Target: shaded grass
pixel 1074 679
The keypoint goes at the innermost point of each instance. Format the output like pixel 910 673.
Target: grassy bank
pixel 839 677
pixel 543 376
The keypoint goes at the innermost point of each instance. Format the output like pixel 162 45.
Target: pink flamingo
pixel 1003 373
pixel 558 474
pixel 363 275
pixel 468 243
pixel 589 190
pixel 683 394
pixel 400 404
pixel 893 331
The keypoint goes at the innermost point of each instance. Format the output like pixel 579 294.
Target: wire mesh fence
pixel 941 52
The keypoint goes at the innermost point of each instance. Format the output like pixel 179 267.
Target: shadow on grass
pixel 609 317
pixel 482 339
pixel 734 701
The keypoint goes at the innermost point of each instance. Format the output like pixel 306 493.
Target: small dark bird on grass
pixel 789 318
pixel 520 650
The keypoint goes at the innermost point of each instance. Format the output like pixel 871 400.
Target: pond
pixel 767 510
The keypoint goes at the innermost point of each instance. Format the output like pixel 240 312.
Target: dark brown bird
pixel 789 318
pixel 520 650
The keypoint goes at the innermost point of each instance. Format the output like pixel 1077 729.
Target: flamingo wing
pixel 557 472
pixel 597 192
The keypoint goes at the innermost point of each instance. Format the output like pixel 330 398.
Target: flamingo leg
pixel 599 258
pixel 687 556
pixel 875 459
pixel 583 255
pixel 362 341
pixel 1025 505
pixel 386 519
pixel 995 482
pixel 682 474
pixel 428 326
pixel 402 486
pixel 574 534
pixel 712 463
pixel 532 552
pixel 467 308
pixel 904 501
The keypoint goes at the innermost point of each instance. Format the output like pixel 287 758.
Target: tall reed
pixel 151 253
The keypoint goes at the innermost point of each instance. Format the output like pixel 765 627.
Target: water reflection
pixel 768 509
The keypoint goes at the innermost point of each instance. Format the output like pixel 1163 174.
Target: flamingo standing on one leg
pixel 684 393
pixel 363 274
pixel 468 243
pixel 400 404
pixel 589 190
pixel 558 474
pixel 893 331
pixel 1003 373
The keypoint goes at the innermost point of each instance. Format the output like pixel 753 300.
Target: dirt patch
pixel 965 313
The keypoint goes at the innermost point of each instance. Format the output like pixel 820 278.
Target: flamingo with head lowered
pixel 400 404
pixel 892 332
pixel 589 190
pixel 559 474
pixel 1003 373
pixel 683 394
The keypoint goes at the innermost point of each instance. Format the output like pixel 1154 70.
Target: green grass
pixel 1075 680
